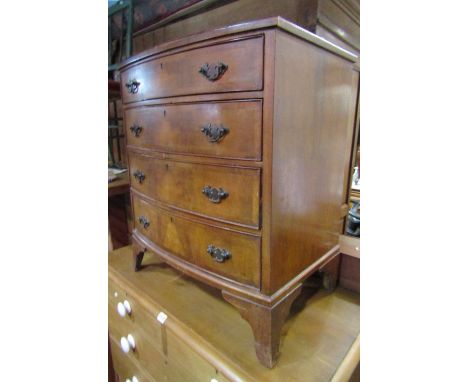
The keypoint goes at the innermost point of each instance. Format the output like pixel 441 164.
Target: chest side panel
pixel 315 93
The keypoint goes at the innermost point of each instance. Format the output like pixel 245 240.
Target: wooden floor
pixel 317 341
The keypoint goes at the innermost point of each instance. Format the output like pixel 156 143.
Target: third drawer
pixel 230 194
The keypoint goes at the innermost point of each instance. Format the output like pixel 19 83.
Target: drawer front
pixel 139 317
pixel 147 358
pixel 231 129
pixel 232 66
pixel 226 193
pixel 178 363
pixel 227 253
pixel 146 331
pixel 124 367
pixel 181 356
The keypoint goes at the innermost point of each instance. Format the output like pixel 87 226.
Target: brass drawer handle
pixel 213 71
pixel 136 130
pixel 132 86
pixel 139 176
pixel 220 255
pixel 144 222
pixel 214 194
pixel 214 132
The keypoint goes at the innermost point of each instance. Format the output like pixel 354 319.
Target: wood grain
pixel 334 16
pixel 316 337
pixel 178 74
pixel 349 364
pixel 189 240
pixel 350 273
pixel 118 230
pixel 301 12
pixel 266 323
pixel 173 359
pixel 180 185
pixel 251 26
pixel 125 368
pixel 272 233
pixel 312 120
pixel 350 246
pixel 177 128
pixel 148 359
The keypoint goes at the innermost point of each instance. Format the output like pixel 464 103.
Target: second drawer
pixel 229 129
pixel 225 193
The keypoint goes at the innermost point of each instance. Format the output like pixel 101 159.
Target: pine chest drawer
pixel 137 341
pixel 124 367
pixel 159 354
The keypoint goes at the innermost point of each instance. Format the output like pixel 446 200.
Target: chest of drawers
pixel 239 144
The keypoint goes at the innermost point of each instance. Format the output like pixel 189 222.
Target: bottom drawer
pixel 124 367
pixel 191 241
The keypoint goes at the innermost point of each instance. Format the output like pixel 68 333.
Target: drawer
pixel 230 129
pixel 232 66
pixel 124 367
pixel 226 193
pixel 200 243
pixel 148 339
pixel 178 363
pixel 139 318
pixel 152 361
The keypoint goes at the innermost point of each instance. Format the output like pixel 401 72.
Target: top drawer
pixel 224 67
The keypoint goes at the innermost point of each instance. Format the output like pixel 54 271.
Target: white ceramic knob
pixel 121 309
pixel 131 341
pixel 128 343
pixel 134 379
pixel 127 380
pixel 127 306
pixel 213 380
pixel 125 345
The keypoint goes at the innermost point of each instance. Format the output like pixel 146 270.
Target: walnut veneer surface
pixel 239 144
pixel 203 338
